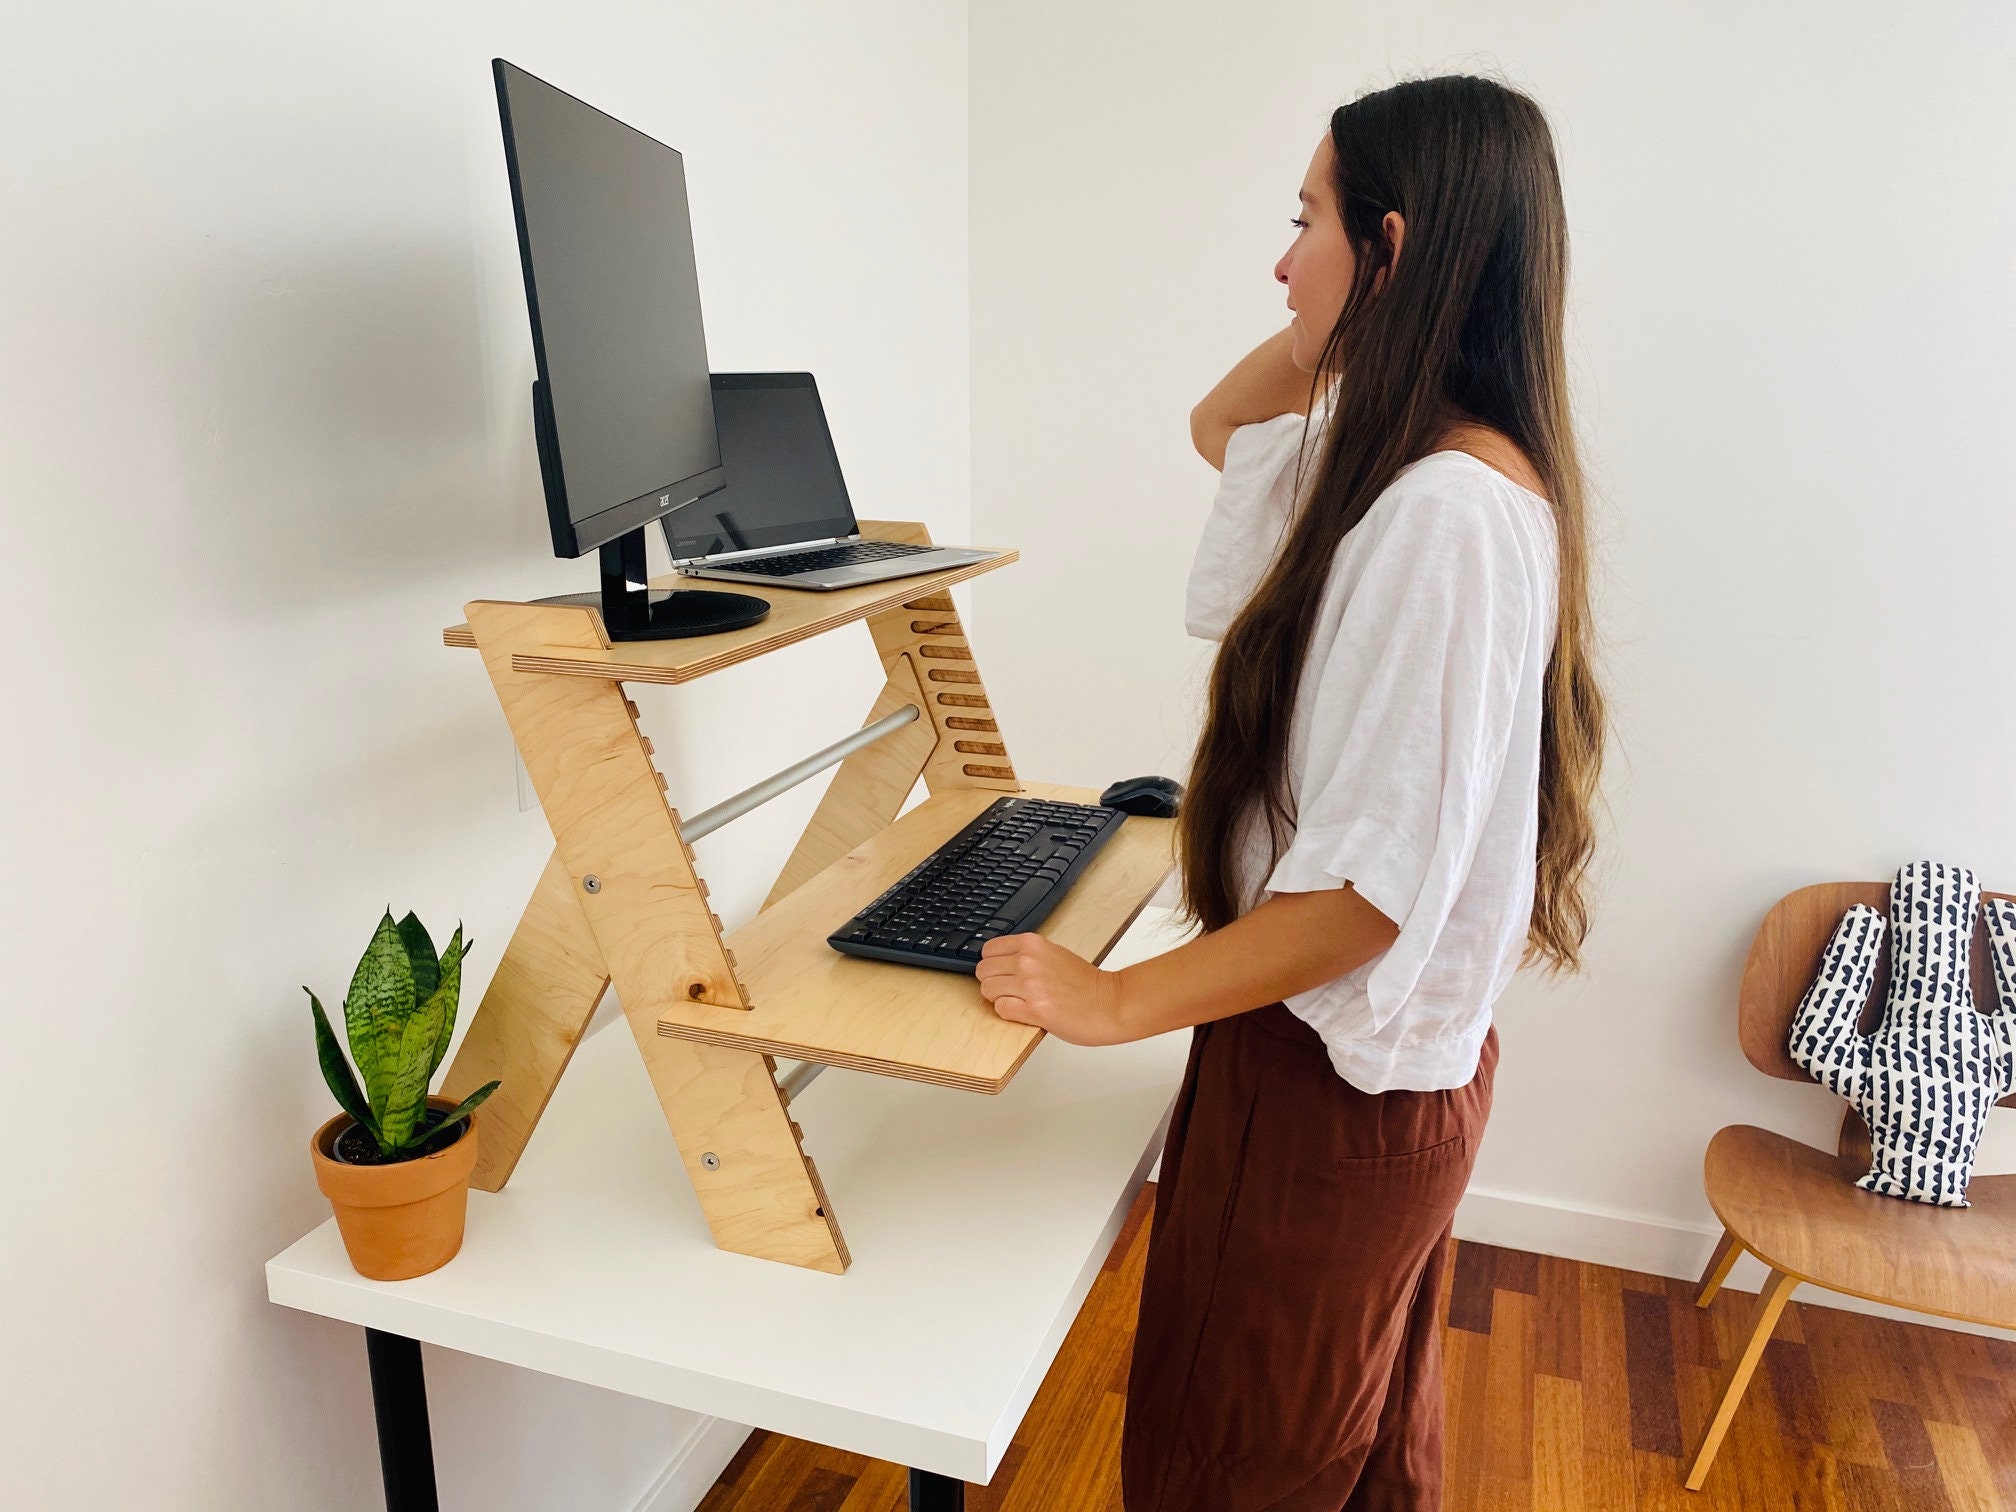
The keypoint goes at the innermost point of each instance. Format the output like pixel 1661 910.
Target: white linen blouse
pixel 1414 748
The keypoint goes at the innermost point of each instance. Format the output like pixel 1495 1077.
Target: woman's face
pixel 1319 264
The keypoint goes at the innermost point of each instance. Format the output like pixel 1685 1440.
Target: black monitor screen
pixel 615 301
pixel 784 482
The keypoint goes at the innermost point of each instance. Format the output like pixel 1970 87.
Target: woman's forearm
pixel 1290 943
pixel 1262 384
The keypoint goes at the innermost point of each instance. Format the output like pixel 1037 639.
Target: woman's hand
pixel 1262 384
pixel 1030 980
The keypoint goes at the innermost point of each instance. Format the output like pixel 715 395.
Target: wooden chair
pixel 1797 1208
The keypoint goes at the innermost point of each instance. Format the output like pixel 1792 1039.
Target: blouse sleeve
pixel 1249 517
pixel 1432 635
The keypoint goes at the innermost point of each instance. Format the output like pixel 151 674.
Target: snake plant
pixel 399 1016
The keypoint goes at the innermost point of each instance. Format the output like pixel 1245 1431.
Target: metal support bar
pixel 799 1080
pixel 405 1442
pixel 708 820
pixel 936 1493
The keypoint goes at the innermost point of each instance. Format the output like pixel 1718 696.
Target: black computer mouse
pixel 1156 797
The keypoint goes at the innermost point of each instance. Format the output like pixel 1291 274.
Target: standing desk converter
pixel 969 1188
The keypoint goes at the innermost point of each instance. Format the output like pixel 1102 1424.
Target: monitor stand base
pixel 676 613
pixel 631 611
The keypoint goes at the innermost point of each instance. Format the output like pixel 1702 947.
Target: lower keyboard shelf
pixel 813 1003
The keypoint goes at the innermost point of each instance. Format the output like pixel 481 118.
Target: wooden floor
pixel 1569 1386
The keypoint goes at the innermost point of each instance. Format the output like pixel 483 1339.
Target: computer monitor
pixel 623 411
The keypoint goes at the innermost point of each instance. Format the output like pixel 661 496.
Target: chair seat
pixel 1799 1211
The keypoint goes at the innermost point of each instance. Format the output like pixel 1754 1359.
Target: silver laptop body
pixel 784 496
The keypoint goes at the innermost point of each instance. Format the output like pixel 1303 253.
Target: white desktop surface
pixel 976 1224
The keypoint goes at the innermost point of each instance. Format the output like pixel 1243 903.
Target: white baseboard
pixel 1637 1241
pixel 695 1466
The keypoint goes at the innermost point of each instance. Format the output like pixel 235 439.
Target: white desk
pixel 977 1225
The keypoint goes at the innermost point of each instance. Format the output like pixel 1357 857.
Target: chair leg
pixel 1770 1303
pixel 1727 1253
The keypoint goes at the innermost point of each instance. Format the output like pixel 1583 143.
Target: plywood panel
pixel 796 614
pixel 810 1002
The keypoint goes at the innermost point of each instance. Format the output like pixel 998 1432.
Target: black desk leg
pixel 405 1444
pixel 936 1493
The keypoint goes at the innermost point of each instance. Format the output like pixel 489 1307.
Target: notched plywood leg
pixel 969 752
pixel 632 869
pixel 532 1016
pixel 759 1191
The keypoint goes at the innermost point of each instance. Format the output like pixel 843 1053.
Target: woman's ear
pixel 1394 228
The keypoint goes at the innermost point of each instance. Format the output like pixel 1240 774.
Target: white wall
pixel 263 431
pixel 1791 327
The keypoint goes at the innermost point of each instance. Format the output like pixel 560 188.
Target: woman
pixel 1388 812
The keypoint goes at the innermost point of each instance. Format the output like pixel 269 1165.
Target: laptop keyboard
pixel 822 557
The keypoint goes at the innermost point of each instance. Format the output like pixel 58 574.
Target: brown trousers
pixel 1288 1356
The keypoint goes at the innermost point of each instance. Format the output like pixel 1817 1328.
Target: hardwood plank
pixel 822 1490
pixel 1655 1484
pixel 1466 1383
pixel 1606 1401
pixel 1073 1468
pixel 1794 1391
pixel 1994 1424
pixel 1908 1447
pixel 1648 1359
pixel 1609 1481
pixel 1137 1215
pixel 1557 1343
pixel 1508 1441
pixel 2001 1354
pixel 1964 1471
pixel 1838 1347
pixel 1515 1270
pixel 1472 1289
pixel 1556 1445
pixel 1867 1489
pixel 786 1464
pixel 884 1487
pixel 752 1447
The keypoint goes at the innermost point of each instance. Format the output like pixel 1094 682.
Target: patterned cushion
pixel 1926 1076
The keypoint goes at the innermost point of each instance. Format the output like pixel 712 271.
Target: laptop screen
pixel 783 478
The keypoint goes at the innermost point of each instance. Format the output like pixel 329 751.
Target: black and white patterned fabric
pixel 1926 1076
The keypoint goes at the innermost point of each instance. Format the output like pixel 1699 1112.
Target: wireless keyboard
pixel 1001 874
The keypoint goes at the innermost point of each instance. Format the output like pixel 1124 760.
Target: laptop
pixel 784 518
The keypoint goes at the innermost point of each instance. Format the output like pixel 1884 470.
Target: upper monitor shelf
pixel 796 614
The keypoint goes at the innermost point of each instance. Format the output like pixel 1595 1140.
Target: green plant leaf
pixel 420 956
pixel 409 1066
pixel 377 1012
pixel 336 1070
pixel 450 992
pixel 455 1115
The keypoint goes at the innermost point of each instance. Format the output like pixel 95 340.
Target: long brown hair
pixel 1466 328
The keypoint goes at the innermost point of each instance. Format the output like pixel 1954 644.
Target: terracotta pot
pixel 403 1219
